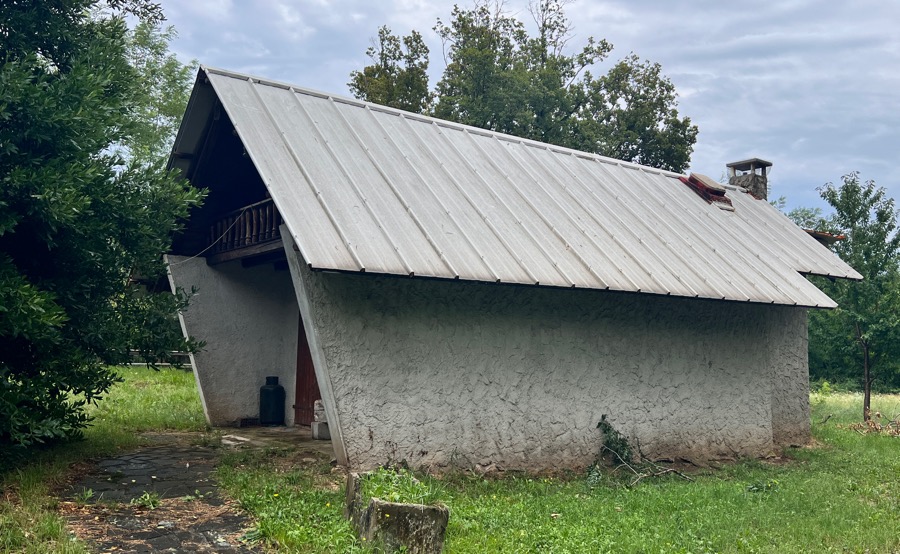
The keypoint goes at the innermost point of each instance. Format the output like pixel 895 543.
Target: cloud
pixel 809 85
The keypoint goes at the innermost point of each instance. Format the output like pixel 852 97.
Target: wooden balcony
pixel 248 231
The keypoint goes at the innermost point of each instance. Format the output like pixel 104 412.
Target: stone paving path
pixel 187 512
pixel 190 515
pixel 172 471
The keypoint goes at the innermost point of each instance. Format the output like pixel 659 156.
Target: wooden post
pixel 254 235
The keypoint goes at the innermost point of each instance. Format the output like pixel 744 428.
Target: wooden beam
pixel 245 252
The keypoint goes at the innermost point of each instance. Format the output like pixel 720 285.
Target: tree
pixel 398 78
pixel 77 221
pixel 864 331
pixel 631 115
pixel 806 218
pixel 165 87
pixel 498 77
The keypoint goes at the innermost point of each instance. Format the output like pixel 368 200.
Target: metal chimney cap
pixel 748 165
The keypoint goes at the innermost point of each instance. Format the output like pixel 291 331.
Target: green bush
pixel 77 221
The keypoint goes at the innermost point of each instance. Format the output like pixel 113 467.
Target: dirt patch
pixel 162 497
pixel 175 525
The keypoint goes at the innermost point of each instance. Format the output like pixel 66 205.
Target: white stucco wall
pixel 248 318
pixel 789 362
pixel 438 372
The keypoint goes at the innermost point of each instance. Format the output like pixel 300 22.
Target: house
pixel 457 296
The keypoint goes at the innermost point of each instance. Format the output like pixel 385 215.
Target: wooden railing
pixel 253 224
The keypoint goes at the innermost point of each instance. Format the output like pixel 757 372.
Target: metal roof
pixel 366 188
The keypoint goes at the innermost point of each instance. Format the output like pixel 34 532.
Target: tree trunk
pixel 867 385
pixel 867 379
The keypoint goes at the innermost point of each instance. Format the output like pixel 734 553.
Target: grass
pixel 400 485
pixel 841 496
pixel 147 400
pixel 298 507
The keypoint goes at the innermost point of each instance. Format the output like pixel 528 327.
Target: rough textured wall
pixel 460 373
pixel 757 185
pixel 788 347
pixel 248 318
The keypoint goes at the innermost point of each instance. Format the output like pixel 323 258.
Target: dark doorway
pixel 307 391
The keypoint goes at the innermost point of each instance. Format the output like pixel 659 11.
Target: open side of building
pixel 457 296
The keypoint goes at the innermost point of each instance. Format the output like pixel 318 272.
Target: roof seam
pixel 453 179
pixel 612 235
pixel 437 198
pixel 590 192
pixel 737 251
pixel 620 195
pixel 483 215
pixel 568 216
pixel 327 144
pixel 687 243
pixel 537 212
pixel 396 192
pixel 480 213
pixel 308 179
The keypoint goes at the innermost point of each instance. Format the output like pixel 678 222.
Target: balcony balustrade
pixel 250 230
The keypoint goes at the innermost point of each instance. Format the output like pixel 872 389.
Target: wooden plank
pixel 247 251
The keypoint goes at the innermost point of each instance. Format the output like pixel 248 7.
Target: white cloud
pixel 809 85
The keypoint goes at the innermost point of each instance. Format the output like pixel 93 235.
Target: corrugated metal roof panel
pixel 367 188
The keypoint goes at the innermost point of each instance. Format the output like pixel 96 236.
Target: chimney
pixel 751 175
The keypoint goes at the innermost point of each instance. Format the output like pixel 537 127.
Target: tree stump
pixel 394 526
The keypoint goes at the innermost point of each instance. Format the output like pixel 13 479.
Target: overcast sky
pixel 811 86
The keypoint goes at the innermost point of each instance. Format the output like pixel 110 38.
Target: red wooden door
pixel 307 391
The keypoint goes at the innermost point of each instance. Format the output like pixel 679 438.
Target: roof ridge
pixel 441 122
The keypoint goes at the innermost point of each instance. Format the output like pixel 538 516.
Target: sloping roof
pixel 362 187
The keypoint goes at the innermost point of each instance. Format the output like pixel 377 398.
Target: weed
pixel 767 486
pixel 149 500
pixel 842 496
pixel 615 447
pixel 84 496
pixel 293 507
pixel 211 439
pixel 196 496
pixel 398 485
pixel 595 475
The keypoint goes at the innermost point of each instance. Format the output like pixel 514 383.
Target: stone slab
pixel 320 431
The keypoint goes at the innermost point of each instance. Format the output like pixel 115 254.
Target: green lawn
pixel 841 496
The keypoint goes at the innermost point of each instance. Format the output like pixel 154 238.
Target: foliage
pixel 173 405
pixel 631 115
pixel 767 486
pixel 148 500
pixel 164 87
pixel 76 222
pixel 615 448
pixel 803 217
pixel 499 77
pixel 861 338
pixel 397 78
pixel 808 218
